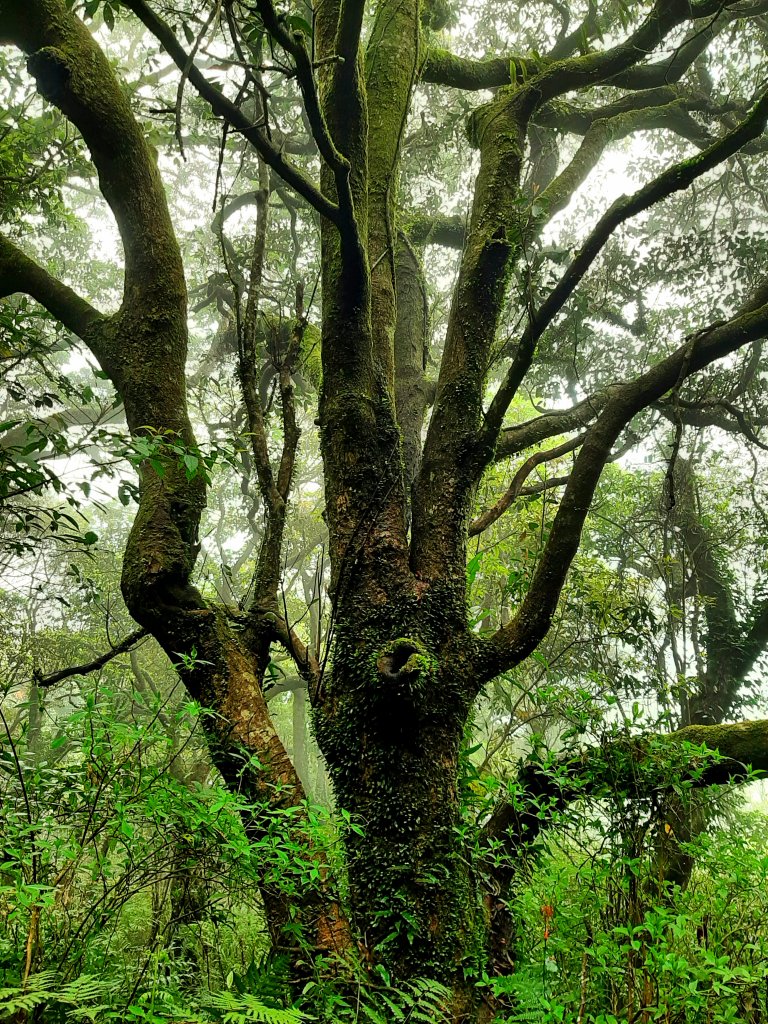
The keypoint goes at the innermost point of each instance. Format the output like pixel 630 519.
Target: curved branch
pixel 19 273
pixel 442 67
pixel 125 645
pixel 714 413
pixel 515 489
pixel 514 642
pixel 518 438
pixel 309 667
pixel 226 109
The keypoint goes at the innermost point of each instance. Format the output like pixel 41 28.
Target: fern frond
pixel 238 1009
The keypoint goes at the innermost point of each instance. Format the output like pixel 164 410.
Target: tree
pixel 391 702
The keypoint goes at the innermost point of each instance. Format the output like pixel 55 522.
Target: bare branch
pixel 128 644
pixel 232 114
pixel 515 489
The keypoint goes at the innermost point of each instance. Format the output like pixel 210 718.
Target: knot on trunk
pixel 403 670
pixel 51 71
pixel 402 659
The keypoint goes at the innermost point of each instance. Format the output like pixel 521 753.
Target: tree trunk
pixel 390 723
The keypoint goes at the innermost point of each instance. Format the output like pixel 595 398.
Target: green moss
pixel 391 725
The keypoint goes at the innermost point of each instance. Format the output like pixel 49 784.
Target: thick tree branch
pixel 391 65
pixel 666 107
pixel 19 273
pixel 636 767
pixel 444 68
pixel 438 230
pixel 518 438
pixel 672 69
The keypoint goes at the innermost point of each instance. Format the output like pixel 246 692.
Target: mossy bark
pixel 451 459
pixel 390 722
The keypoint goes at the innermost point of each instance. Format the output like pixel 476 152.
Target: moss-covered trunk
pixel 390 723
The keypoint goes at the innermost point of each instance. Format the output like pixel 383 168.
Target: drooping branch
pixel 233 115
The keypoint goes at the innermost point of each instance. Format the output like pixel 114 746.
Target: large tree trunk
pixel 390 723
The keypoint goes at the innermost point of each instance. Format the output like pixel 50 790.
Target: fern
pixel 266 978
pixel 45 987
pixel 239 1009
pixel 529 994
pixel 421 1001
